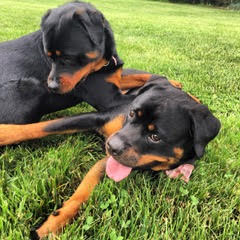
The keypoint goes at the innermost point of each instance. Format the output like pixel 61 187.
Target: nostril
pixel 114 152
pixel 53 85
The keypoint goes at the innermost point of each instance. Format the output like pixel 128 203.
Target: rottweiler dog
pixel 44 71
pixel 160 127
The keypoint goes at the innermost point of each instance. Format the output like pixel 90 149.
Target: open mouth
pixel 116 170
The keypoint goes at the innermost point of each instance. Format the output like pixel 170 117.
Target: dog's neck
pixel 114 63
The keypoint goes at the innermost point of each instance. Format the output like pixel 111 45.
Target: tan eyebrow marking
pixel 148 158
pixel 139 113
pixel 58 53
pixel 151 127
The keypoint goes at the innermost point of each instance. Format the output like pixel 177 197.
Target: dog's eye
pixel 131 114
pixel 155 138
pixel 66 60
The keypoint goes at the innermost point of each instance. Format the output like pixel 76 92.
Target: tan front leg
pixel 64 215
pixel 133 80
pixel 13 133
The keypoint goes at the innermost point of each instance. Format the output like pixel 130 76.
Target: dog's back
pixel 22 58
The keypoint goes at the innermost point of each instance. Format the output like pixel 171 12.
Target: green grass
pixel 198 46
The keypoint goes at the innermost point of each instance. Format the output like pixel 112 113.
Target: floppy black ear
pixel 110 48
pixel 92 22
pixel 45 16
pixel 205 127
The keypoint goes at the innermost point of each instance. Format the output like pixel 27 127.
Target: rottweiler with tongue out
pixel 158 127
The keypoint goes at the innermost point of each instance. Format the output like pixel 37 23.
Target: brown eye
pixel 155 138
pixel 131 113
pixel 66 60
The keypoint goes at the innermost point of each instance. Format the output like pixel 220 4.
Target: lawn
pixel 198 46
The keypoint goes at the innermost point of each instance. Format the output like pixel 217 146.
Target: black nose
pixel 115 146
pixel 53 85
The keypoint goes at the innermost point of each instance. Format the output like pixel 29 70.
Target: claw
pixel 34 235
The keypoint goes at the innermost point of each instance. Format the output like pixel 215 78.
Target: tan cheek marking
pixel 92 55
pixel 58 53
pixel 178 152
pixel 49 54
pixel 115 78
pixel 69 81
pixel 164 166
pixel 194 98
pixel 148 158
pixel 165 161
pixel 151 127
pixel 113 126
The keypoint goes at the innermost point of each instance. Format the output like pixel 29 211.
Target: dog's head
pixel 164 128
pixel 78 40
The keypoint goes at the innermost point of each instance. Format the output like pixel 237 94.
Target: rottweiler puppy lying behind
pixel 44 71
pixel 160 127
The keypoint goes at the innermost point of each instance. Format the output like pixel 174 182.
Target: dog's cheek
pixel 161 162
pixel 69 81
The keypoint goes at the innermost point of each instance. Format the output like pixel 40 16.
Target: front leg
pixel 11 133
pixel 133 79
pixel 58 219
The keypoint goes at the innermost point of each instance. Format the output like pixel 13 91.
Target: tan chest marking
pixel 115 78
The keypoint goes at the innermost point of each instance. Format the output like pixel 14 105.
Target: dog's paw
pixel 58 219
pixel 184 170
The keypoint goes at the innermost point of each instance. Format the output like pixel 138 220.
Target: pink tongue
pixel 116 170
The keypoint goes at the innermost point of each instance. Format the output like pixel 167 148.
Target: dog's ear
pixel 204 127
pixel 45 16
pixel 110 49
pixel 92 22
pixel 98 29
